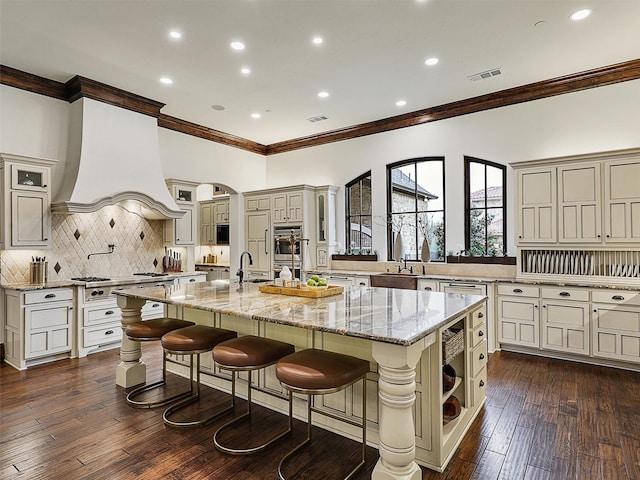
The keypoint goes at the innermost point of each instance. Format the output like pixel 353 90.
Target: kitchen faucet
pixel 400 270
pixel 240 272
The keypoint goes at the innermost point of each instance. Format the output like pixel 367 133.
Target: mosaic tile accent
pixel 110 225
pixel 141 235
pixel 77 234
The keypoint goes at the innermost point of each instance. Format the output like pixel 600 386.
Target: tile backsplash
pixel 138 247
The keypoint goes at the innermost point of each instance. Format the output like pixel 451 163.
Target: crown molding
pixel 83 87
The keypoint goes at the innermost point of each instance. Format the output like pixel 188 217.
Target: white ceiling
pixel 373 54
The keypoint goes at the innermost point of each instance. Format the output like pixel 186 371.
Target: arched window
pixel 358 214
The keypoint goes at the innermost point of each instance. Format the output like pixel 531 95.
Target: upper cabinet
pixel 581 200
pixel 25 202
pixel 182 231
pixel 213 214
pixel 288 208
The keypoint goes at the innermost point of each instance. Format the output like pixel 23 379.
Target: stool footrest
pixel 186 402
pixel 156 403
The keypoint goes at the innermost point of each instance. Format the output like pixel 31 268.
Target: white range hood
pixel 113 159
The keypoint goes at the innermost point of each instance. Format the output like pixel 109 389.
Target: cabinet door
pixel 579 207
pixel 295 207
pixel 206 223
pixel 258 238
pixel 616 332
pixel 518 321
pixel 565 326
pixel 221 212
pixel 47 329
pixel 30 219
pixel 254 204
pixel 280 208
pixel 185 227
pixel 622 201
pixel 536 215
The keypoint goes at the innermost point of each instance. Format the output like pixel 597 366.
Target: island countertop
pixel 401 317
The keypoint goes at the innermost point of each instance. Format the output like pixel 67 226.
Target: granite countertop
pixel 396 316
pixel 428 276
pixel 127 280
pixel 200 264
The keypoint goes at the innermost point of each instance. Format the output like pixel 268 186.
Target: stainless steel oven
pixel 282 246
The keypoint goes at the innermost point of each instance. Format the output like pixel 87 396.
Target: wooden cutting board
pixel 302 292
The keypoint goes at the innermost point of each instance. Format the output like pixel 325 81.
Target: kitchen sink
pixel 407 281
pixel 256 280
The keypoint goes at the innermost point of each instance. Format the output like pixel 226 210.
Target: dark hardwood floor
pixel 543 419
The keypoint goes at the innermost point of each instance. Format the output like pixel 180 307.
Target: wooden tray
pixel 302 292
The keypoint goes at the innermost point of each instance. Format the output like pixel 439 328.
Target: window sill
pixel 481 260
pixel 355 258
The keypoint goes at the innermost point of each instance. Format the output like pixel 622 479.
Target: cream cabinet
pixel 212 213
pixel 536 205
pixel 259 241
pixel 325 217
pixel 518 315
pixel 622 200
pixel 25 202
pixel 288 208
pixel 38 325
pixel 428 285
pixel 565 320
pixel 579 205
pixel 616 325
pixel 182 231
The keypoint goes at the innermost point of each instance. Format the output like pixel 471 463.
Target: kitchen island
pixel 400 332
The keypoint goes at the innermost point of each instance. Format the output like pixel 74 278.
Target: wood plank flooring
pixel 544 419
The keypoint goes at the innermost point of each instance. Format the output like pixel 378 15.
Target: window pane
pixel 477 184
pixel 478 244
pixel 430 188
pixel 435 235
pixel 495 230
pixel 403 185
pixel 365 241
pixel 354 199
pixel 366 196
pixel 495 196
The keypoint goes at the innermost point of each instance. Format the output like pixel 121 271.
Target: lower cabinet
pixel 518 315
pixel 616 325
pixel 39 326
pixel 565 320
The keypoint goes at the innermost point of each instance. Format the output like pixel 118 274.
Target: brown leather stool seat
pixel 193 341
pixel 147 331
pixel 318 372
pixel 248 353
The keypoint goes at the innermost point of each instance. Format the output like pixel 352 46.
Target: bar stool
pixel 246 354
pixel 319 372
pixel 148 331
pixel 193 341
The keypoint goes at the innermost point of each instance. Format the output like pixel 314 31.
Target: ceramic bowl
pixel 451 409
pixel 448 378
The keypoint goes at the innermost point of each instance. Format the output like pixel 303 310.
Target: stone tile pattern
pixel 133 252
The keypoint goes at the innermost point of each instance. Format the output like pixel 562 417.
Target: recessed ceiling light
pixel 317 40
pixel 219 108
pixel 431 61
pixel 401 103
pixel 323 94
pixel 255 115
pixel 245 70
pixel 580 14
pixel 175 34
pixel 237 45
pixel 166 80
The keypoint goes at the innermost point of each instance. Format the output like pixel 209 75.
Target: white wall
pixel 595 120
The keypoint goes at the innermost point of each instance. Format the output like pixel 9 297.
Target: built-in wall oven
pixel 284 249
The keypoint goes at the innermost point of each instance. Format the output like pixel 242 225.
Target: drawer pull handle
pixel 192 279
pixel 155 305
pixel 108 332
pixel 481 357
pixel 363 284
pixel 481 333
pixel 480 315
pixel 617 297
pixel 481 383
pixel 109 312
pixel 428 288
pixel 564 294
pixel 50 295
pixel 517 290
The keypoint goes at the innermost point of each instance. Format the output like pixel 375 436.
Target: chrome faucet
pixel 240 272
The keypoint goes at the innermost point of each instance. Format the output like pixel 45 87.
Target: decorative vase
pixel 397 248
pixel 425 253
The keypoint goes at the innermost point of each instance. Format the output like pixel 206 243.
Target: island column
pixel 131 370
pixel 396 391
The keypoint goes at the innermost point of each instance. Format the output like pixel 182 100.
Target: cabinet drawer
pixel 105 334
pixel 478 358
pixel 478 317
pixel 519 290
pixel 478 388
pixel 620 297
pixel 562 293
pixel 47 316
pixel 93 316
pixel 477 335
pixel 48 295
pixel 152 310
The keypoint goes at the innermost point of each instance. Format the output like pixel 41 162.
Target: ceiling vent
pixel 494 72
pixel 318 118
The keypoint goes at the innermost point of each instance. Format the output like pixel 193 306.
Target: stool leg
pixel 247 415
pixel 194 398
pixel 145 388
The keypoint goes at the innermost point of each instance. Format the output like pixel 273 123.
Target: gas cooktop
pixel 151 274
pixel 91 279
